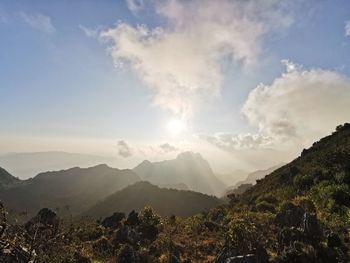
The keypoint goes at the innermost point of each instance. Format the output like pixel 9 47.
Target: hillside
pixel 322 171
pixel 71 191
pixel 6 179
pixel 164 201
pixel 188 169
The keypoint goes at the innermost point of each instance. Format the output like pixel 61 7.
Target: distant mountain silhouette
pixel 72 190
pixel 27 165
pixel 163 201
pixel 241 186
pixel 188 168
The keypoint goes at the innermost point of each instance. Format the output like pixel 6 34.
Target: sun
pixel 176 126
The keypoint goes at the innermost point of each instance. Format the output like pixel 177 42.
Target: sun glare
pixel 176 126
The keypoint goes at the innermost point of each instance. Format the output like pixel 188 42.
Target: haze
pixel 123 81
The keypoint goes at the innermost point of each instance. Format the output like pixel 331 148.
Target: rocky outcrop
pixel 113 221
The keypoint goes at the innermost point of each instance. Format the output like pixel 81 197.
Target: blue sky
pixel 57 80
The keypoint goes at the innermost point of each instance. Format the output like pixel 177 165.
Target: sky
pixel 248 84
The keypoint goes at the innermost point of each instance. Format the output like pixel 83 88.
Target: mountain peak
pixel 189 155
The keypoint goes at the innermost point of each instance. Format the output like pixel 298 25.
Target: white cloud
pixel 347 28
pixel 135 5
pixel 93 33
pixel 295 110
pixel 38 21
pixel 301 105
pixel 231 142
pixel 124 150
pixel 181 62
pixel 166 147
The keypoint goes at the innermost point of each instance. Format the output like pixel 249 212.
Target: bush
pixel 306 203
pixel 269 198
pixel 264 206
pixel 303 182
pixel 242 235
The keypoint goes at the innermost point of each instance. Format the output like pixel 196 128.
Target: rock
pixel 2 219
pixel 174 259
pixel 149 232
pixel 78 258
pixel 212 226
pixel 287 236
pixel 261 255
pixel 224 254
pixel 133 219
pixel 290 216
pixel 127 254
pixel 126 234
pixel 113 221
pixel 14 254
pixel 102 247
pixel 242 259
pixel 310 226
pixel 292 255
pixel 333 240
pixel 45 221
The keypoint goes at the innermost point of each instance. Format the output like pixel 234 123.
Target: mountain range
pixel 76 190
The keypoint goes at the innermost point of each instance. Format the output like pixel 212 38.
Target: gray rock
pixel 290 216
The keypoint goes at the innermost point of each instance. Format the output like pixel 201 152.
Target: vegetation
pixel 298 213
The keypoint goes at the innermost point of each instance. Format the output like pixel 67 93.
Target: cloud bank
pixel 182 61
pixel 301 104
pixel 296 109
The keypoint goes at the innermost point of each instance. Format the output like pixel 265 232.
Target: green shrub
pixel 241 234
pixel 303 182
pixel 264 206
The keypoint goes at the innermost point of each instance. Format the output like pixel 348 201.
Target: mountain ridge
pixel 187 168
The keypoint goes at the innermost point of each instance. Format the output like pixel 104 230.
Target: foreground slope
pixel 70 191
pixel 188 169
pixel 163 201
pixel 322 171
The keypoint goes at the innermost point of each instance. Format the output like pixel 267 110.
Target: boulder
pixel 212 226
pixel 133 219
pixel 149 232
pixel 102 247
pixel 113 221
pixel 14 254
pixel 310 227
pixel 290 216
pixel 287 236
pixel 45 221
pixel 127 254
pixel 333 240
pixel 242 259
pixel 224 254
pixel 2 219
pixel 126 234
pixel 78 258
pixel 261 254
